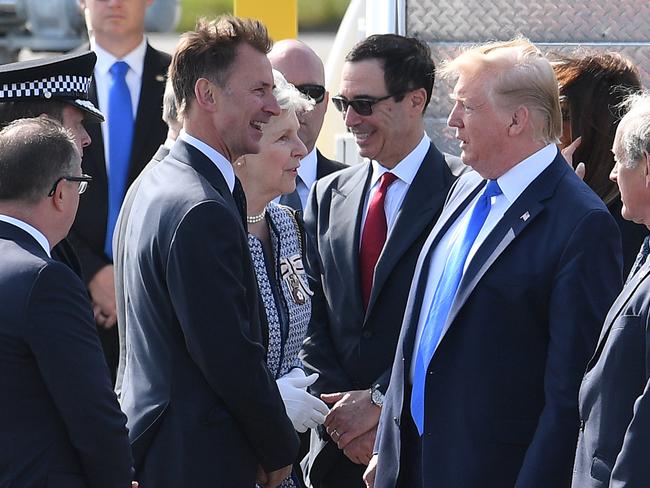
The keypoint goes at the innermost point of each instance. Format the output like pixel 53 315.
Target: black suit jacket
pixel 325 166
pixel 88 233
pixel 60 423
pixel 202 408
pixel 501 389
pixel 350 348
pixel 614 439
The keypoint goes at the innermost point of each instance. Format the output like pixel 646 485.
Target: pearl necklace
pixel 254 219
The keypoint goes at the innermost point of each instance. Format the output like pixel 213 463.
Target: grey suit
pixel 614 439
pixel 351 348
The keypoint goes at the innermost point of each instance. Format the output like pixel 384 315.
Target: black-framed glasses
pixel 83 183
pixel 362 106
pixel 315 92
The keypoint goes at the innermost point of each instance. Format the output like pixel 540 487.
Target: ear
pixel 519 121
pixel 418 98
pixel 206 94
pixel 326 98
pixel 646 168
pixel 58 199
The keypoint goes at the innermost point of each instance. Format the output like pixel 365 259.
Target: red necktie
pixel 373 236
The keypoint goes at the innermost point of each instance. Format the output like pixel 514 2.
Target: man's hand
pixel 568 151
pixel 274 478
pixel 359 450
pixel 371 470
pixel 352 415
pixel 102 291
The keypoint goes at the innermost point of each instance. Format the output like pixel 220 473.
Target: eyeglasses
pixel 315 92
pixel 83 183
pixel 362 106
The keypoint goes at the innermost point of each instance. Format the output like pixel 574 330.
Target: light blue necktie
pixel 120 137
pixel 444 297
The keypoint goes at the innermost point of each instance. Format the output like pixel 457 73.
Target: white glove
pixel 304 410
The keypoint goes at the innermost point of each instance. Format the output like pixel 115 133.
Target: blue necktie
pixel 120 137
pixel 444 297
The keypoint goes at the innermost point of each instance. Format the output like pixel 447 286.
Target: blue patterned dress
pixel 285 295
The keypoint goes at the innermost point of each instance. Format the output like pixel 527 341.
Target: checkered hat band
pixel 71 86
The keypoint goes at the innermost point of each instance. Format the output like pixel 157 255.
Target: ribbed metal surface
pixel 564 27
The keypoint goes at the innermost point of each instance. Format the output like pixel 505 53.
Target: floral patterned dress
pixel 285 295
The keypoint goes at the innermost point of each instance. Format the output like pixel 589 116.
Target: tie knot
pixel 386 180
pixel 492 189
pixel 119 69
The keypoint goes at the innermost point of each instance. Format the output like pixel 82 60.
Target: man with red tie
pixel 367 224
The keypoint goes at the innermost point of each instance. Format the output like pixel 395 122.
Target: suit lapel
pixel 421 203
pixel 615 310
pixel 347 204
pixel 521 214
pixel 151 93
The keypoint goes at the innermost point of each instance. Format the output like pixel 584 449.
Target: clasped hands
pixel 303 409
pixel 352 423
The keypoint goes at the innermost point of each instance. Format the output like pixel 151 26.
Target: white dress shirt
pixel 512 184
pixel 215 156
pixel 306 176
pixel 32 231
pixel 405 171
pixel 103 80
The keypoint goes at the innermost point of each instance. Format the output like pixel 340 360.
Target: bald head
pixel 300 65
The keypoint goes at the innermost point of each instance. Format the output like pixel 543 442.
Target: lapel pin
pixel 160 78
pixel 525 216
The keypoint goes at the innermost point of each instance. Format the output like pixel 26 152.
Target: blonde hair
pixel 521 76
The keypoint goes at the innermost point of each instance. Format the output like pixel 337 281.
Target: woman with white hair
pixel 277 245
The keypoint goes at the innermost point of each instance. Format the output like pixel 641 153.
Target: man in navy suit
pixel 61 424
pixel 507 298
pixel 302 67
pixel 368 223
pixel 202 407
pixel 122 145
pixel 614 439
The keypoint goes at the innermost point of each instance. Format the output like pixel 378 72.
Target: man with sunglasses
pixel 61 423
pixel 302 67
pixel 368 223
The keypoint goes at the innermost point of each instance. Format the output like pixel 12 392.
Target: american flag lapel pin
pixel 525 216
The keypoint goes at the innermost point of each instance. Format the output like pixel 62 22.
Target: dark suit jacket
pixel 60 423
pixel 349 348
pixel 325 166
pixel 614 439
pixel 202 408
pixel 89 230
pixel 501 389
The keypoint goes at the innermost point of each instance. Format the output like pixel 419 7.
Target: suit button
pixel 582 425
pixel 367 334
pixel 396 420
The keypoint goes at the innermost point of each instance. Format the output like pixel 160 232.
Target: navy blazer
pixel 89 230
pixel 501 389
pixel 351 348
pixel 202 408
pixel 60 423
pixel 614 440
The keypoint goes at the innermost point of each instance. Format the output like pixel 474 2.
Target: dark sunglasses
pixel 315 92
pixel 83 183
pixel 362 106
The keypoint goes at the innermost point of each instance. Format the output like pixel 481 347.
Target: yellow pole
pixel 279 16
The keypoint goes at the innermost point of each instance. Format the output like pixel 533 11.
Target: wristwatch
pixel 376 396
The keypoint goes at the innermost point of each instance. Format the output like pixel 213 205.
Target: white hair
pixel 288 96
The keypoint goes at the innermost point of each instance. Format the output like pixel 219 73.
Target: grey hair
pixel 634 140
pixel 288 96
pixel 169 107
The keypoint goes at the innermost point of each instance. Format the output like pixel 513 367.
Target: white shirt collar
pixel 135 59
pixel 516 179
pixel 407 168
pixel 215 156
pixel 308 168
pixel 31 230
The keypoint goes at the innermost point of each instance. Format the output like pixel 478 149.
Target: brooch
pixel 291 268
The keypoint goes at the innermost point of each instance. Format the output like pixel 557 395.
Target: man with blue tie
pixel 128 86
pixel 507 298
